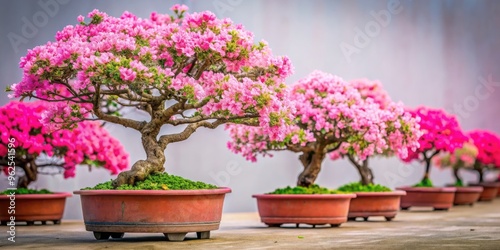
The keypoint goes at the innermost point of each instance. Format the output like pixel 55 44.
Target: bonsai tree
pixel 441 134
pixel 331 115
pixel 188 70
pixel 462 158
pixel 27 143
pixel 488 146
pixel 397 129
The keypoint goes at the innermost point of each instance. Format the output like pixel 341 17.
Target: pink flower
pixel 127 74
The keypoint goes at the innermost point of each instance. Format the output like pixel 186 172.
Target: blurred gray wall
pixel 438 53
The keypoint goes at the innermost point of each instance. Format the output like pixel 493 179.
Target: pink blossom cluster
pixel 330 113
pixel 402 130
pixel 373 90
pixel 462 157
pixel 196 58
pixel 441 133
pixel 89 143
pixel 488 145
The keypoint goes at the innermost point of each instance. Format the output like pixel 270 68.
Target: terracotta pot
pixel 31 208
pixel 368 204
pixel 172 212
pixel 467 195
pixel 312 209
pixel 490 190
pixel 439 198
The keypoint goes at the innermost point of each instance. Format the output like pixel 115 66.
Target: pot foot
pixel 365 218
pixel 101 235
pixel 117 235
pixel 3 223
pixel 389 218
pixel 30 223
pixel 351 219
pixel 441 209
pixel 203 235
pixel 335 225
pixel 273 225
pixel 405 208
pixel 175 236
pixel 297 225
pixel 56 222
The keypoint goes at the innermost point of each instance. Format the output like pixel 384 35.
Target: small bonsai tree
pixel 441 134
pixel 27 143
pixel 398 129
pixel 188 70
pixel 330 115
pixel 488 146
pixel 462 158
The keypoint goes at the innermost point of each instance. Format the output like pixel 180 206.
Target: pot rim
pixel 304 196
pixel 385 193
pixel 428 189
pixel 55 195
pixel 485 184
pixel 470 189
pixel 220 190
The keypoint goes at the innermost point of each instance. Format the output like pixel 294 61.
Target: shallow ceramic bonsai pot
pixel 368 204
pixel 439 198
pixel 111 213
pixel 312 209
pixel 490 190
pixel 31 208
pixel 467 195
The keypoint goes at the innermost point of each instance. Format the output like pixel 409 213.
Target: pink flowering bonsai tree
pixel 441 134
pixel 190 70
pixel 462 158
pixel 34 149
pixel 397 131
pixel 488 147
pixel 330 116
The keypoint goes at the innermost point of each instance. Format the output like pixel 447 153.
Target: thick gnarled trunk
pixel 365 173
pixel 30 174
pixel 312 166
pixel 154 162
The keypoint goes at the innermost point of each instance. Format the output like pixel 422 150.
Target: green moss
pixel 26 191
pixel 358 187
pixel 426 182
pixel 313 189
pixel 161 181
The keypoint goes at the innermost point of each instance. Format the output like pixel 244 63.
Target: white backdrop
pixel 437 53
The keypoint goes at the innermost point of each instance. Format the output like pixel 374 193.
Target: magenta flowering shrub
pixel 331 118
pixel 37 150
pixel 488 145
pixel 190 69
pixel 441 133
